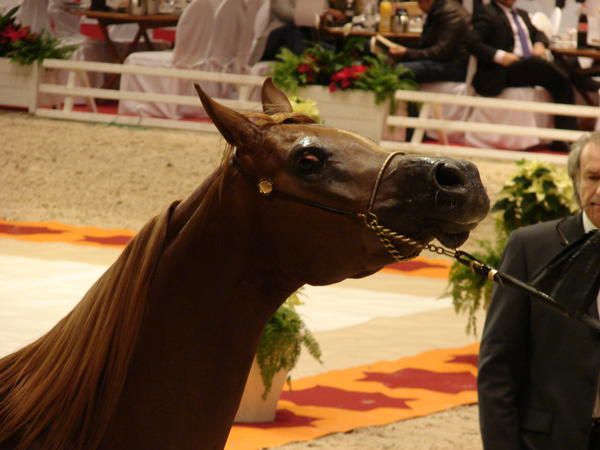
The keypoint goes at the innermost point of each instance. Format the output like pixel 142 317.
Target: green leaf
pixel 281 342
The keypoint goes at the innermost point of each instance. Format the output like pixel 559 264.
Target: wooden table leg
pixel 131 47
pixel 111 45
pixel 147 39
pixel 111 79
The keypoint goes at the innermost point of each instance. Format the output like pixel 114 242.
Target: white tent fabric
pixel 543 23
pixel 193 38
pixel 453 112
pixel 449 112
pixel 219 42
pixel 33 14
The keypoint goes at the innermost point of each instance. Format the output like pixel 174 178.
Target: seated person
pixel 281 32
pixel 511 52
pixel 442 53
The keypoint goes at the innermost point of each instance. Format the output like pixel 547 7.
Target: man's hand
pixel 332 16
pixel 539 50
pixel 398 51
pixel 508 59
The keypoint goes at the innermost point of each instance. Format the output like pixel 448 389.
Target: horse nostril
pixel 448 176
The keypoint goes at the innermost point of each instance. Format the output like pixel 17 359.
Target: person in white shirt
pixel 539 371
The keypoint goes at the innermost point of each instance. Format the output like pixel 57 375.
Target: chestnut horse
pixel 156 354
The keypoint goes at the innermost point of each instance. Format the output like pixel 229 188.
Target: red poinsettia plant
pixel 24 47
pixel 352 67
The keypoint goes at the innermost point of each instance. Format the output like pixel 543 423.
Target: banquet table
pixel 144 23
pixel 339 32
pixel 587 52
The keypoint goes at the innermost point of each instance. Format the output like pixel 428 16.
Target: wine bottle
pixel 349 10
pixel 582 28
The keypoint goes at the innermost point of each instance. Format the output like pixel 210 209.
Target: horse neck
pixel 210 298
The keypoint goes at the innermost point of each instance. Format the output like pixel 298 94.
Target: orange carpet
pixel 374 394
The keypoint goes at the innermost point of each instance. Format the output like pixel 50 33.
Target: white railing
pixel 432 101
pixel 79 69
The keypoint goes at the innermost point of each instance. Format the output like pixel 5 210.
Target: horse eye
pixel 310 161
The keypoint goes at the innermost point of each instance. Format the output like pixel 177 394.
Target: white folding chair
pixel 447 111
pixel 502 116
pixel 34 14
pixel 192 42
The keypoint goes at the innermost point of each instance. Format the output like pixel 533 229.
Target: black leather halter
pixel 266 187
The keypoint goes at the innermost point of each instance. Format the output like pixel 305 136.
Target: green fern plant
pixel 281 342
pixel 537 192
pixel 37 47
pixel 24 47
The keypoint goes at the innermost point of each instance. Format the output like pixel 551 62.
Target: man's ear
pixel 237 130
pixel 274 99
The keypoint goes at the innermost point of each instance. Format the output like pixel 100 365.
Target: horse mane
pixel 60 391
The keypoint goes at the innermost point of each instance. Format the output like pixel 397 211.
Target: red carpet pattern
pixel 374 394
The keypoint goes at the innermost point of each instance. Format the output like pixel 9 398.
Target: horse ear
pixel 273 99
pixel 235 128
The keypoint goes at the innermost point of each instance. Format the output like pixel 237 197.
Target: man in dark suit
pixel 441 54
pixel 511 52
pixel 539 371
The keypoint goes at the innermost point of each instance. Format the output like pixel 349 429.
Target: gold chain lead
pixel 386 236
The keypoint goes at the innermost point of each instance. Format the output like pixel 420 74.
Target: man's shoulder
pixel 536 230
pixel 539 233
pixel 489 9
pixel 455 7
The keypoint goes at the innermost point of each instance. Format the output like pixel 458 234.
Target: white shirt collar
pixel 587 223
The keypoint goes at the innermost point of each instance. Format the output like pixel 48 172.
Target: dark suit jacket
pixel 445 34
pixel 492 32
pixel 538 371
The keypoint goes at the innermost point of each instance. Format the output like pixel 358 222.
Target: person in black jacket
pixel 539 371
pixel 511 52
pixel 442 53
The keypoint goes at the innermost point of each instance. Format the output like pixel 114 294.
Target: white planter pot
pixel 18 84
pixel 351 110
pixel 253 408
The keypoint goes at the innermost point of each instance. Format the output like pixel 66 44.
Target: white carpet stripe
pixel 36 293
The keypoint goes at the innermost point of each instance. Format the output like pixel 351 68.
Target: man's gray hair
pixel 573 166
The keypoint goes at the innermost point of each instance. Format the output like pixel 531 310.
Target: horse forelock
pixel 61 391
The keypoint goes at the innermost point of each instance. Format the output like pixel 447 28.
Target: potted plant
pixel 537 192
pixel 278 351
pixel 349 85
pixel 20 53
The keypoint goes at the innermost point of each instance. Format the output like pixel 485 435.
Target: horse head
pixel 320 186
